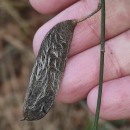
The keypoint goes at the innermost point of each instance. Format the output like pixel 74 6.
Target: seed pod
pixel 48 70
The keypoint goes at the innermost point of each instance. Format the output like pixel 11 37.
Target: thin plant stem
pixel 94 12
pixel 102 50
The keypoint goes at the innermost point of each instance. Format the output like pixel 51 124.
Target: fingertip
pixel 115 102
pixel 50 6
pixel 41 6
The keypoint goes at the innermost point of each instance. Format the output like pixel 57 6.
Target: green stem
pixel 101 64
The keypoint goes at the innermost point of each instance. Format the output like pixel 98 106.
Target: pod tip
pixel 23 119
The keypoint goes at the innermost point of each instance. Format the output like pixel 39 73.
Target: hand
pixel 82 70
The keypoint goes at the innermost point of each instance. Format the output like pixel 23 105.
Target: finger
pixel 51 6
pixel 87 33
pixel 115 99
pixel 82 70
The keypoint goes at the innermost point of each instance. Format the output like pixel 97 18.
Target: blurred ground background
pixel 18 24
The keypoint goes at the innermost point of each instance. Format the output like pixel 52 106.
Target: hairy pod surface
pixel 48 70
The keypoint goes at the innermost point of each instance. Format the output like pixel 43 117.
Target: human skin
pixel 81 75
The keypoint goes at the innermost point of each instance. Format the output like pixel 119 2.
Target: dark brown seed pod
pixel 48 70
